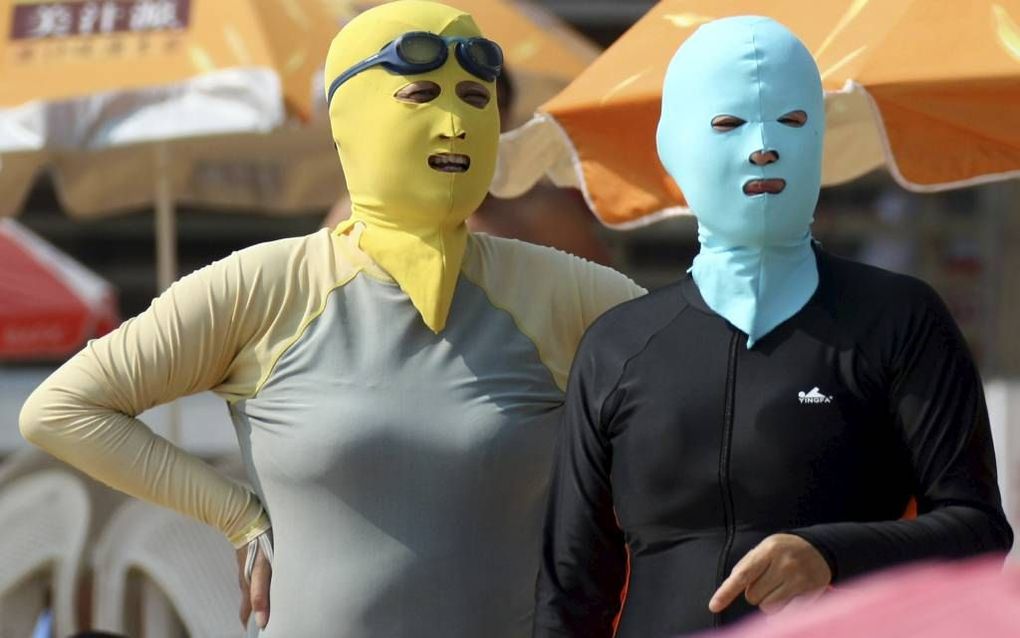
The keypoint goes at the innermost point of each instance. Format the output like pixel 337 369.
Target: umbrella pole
pixel 166 231
pixel 166 253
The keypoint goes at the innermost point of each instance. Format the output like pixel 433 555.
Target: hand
pixel 781 568
pixel 254 595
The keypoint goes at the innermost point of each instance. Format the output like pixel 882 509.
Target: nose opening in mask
pixel 763 157
pixel 453 128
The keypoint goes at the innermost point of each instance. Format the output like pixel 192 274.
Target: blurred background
pixel 143 139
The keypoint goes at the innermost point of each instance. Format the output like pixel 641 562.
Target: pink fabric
pixel 976 598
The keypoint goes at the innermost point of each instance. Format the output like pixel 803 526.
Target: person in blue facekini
pixel 753 433
pixel 757 116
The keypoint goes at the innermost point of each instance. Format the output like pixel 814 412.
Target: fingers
pixel 744 573
pixel 245 603
pixel 242 583
pixel 779 568
pixel 784 570
pixel 767 583
pixel 778 599
pixel 259 593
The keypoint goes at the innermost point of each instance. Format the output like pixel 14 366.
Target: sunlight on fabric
pixel 1007 31
pixel 687 20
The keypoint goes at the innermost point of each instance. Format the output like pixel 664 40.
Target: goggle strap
pixel 349 73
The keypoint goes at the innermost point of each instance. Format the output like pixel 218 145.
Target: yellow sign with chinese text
pixel 51 50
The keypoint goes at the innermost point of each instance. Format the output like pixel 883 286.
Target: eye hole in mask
pixel 726 123
pixel 796 119
pixel 474 94
pixel 418 92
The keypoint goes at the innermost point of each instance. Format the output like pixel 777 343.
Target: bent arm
pixel 84 413
pixel 939 407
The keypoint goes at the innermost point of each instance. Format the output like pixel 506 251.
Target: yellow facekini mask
pixel 413 214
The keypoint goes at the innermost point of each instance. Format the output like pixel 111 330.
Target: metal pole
pixel 166 252
pixel 166 223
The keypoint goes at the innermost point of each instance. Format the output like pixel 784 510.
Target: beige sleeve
pixel 186 342
pixel 552 296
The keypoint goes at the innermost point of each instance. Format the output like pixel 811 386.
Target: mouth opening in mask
pixel 764 187
pixel 449 162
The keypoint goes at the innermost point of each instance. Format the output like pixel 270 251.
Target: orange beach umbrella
pixel 87 85
pixel 63 49
pixel 929 88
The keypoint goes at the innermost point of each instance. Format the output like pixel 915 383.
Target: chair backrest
pixel 44 521
pixel 103 500
pixel 190 563
pixel 25 461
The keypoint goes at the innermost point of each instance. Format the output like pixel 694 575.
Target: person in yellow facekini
pixel 395 383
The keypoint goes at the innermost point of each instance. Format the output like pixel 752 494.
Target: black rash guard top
pixel 682 449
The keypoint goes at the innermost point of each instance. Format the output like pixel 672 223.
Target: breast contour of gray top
pixel 405 472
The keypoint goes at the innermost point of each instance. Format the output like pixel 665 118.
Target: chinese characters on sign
pixel 32 21
pixel 82 29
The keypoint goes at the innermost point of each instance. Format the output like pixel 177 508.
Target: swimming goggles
pixel 418 52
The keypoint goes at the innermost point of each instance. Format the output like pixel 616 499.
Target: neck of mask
pixel 420 245
pixel 756 288
pixel 407 218
pixel 758 279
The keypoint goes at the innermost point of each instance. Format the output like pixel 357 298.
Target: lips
pixel 764 187
pixel 449 162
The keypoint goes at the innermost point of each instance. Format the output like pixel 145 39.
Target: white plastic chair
pixel 103 500
pixel 186 564
pixel 44 521
pixel 23 462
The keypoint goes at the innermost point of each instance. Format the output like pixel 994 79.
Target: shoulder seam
pixel 627 362
pixel 289 343
pixel 517 324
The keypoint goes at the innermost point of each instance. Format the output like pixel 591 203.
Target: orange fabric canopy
pixel 930 88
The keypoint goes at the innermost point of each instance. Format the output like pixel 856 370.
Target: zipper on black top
pixel 724 464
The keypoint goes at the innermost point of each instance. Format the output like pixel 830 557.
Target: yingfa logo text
pixel 814 396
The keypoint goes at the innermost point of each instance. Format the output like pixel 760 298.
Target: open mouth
pixel 764 186
pixel 449 162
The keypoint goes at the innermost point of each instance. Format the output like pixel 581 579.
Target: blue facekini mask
pixel 756 266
